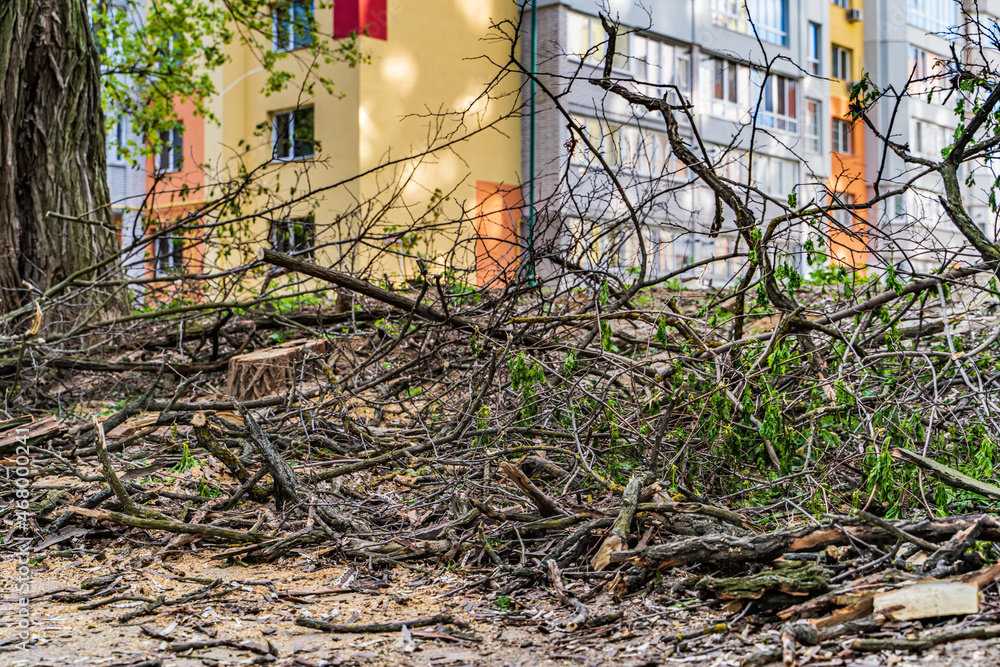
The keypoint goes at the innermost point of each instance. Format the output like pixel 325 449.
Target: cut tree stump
pixel 268 372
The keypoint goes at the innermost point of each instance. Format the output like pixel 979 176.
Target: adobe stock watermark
pixel 17 587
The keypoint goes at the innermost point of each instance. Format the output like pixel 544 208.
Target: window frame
pixel 814 61
pixel 169 258
pixel 814 133
pixel 780 98
pixel 735 15
pixel 593 54
pixel 296 20
pixel 841 60
pixel 294 117
pixel 932 15
pixel 115 156
pixel 288 244
pixel 775 176
pixel 840 137
pixel 170 158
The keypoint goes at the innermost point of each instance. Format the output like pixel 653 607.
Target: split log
pixel 267 372
pixel 928 599
pixel 24 431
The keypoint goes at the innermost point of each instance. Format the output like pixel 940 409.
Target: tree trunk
pixel 52 154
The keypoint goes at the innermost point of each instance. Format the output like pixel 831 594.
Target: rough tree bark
pixel 52 148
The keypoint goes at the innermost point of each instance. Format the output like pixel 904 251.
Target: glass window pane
pixel 282 135
pixel 303 128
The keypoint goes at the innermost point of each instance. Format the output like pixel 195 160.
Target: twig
pixel 394 626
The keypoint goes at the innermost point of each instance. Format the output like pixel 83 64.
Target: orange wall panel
pixel 498 215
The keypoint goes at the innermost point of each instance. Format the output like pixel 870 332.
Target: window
pixel 769 18
pixel 595 133
pixel 171 155
pixel 779 103
pixel 684 248
pixel 293 134
pixel 641 150
pixel 170 51
pixel 169 255
pixel 775 176
pixel 659 64
pixel 360 17
pixel 929 140
pixel 588 41
pixel 814 111
pixel 293 25
pixel 294 236
pixel 729 163
pixel 843 218
pixel 841 136
pixel 727 86
pixel 932 15
pixel 840 63
pixel 725 80
pixel 924 80
pixel 682 73
pixel 594 243
pixel 814 65
pixel 841 3
pixel 116 144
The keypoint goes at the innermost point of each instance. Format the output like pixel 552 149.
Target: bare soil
pixel 527 631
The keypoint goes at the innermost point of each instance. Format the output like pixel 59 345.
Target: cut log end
pixel 266 372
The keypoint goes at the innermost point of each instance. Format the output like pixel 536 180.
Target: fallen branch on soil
pixel 619 530
pixel 579 619
pixel 362 287
pixel 128 505
pixel 731 550
pixel 948 475
pixel 181 647
pixel 873 644
pixel 170 525
pixel 394 626
pixel 546 506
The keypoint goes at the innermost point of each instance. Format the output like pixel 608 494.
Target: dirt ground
pixel 524 630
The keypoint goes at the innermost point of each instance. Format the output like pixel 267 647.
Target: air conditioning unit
pixel 853 15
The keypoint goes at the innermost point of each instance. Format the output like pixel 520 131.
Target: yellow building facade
pixel 848 179
pixel 414 153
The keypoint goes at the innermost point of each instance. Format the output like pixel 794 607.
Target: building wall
pixel 881 35
pixel 926 238
pixel 675 217
pixel 127 181
pixel 401 143
pixel 849 235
